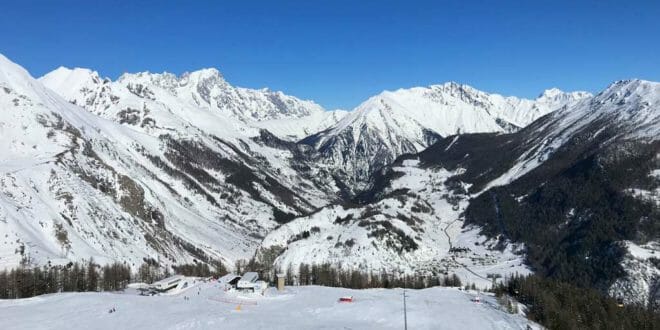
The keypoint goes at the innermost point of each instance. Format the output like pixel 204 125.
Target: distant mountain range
pixel 429 180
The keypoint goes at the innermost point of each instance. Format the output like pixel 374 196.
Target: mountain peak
pixel 630 107
pixel 630 91
pixel 63 77
pixel 16 77
pixel 207 77
pixel 454 86
pixel 62 70
pixel 634 102
pixel 204 88
pixel 631 85
pixel 551 93
pixel 9 70
pixel 557 95
pixel 205 73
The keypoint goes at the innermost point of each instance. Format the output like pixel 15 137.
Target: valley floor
pixel 310 307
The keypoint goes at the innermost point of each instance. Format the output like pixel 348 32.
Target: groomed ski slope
pixel 309 307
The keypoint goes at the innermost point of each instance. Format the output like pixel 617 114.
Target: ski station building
pixel 249 282
pixel 168 283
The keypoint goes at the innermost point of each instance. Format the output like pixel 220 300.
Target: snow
pixel 437 233
pixel 640 281
pixel 651 196
pixel 42 189
pixel 296 129
pixel 485 259
pixel 310 307
pixel 453 108
pixel 649 250
pixel 203 89
pixel 630 107
pixel 393 123
pixel 42 186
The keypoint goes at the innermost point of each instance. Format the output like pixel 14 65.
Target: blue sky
pixel 338 53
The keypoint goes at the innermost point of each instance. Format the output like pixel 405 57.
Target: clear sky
pixel 339 53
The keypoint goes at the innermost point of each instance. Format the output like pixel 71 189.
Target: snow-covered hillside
pixel 642 275
pixel 413 218
pixel 295 129
pixel 201 103
pixel 408 120
pixel 308 307
pixel 160 180
pixel 607 147
pixel 627 110
pixel 416 227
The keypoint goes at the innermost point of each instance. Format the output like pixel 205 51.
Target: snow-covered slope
pixel 582 171
pixel 161 180
pixel 409 120
pixel 628 110
pixel 201 103
pixel 415 227
pixel 309 307
pixel 295 129
pixel 641 281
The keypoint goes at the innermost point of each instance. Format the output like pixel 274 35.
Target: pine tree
pixel 4 284
pixel 92 276
pixel 289 275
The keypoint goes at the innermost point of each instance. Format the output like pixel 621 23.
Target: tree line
pixel 334 275
pixel 327 274
pixel 25 281
pixel 337 275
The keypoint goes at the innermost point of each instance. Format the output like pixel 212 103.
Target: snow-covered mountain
pixel 154 177
pixel 204 89
pixel 576 191
pixel 285 116
pixel 445 178
pixel 353 144
pixel 408 120
pixel 201 102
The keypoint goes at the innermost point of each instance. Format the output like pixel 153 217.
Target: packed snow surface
pixel 310 307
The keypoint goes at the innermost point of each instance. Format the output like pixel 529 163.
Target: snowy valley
pixel 431 181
